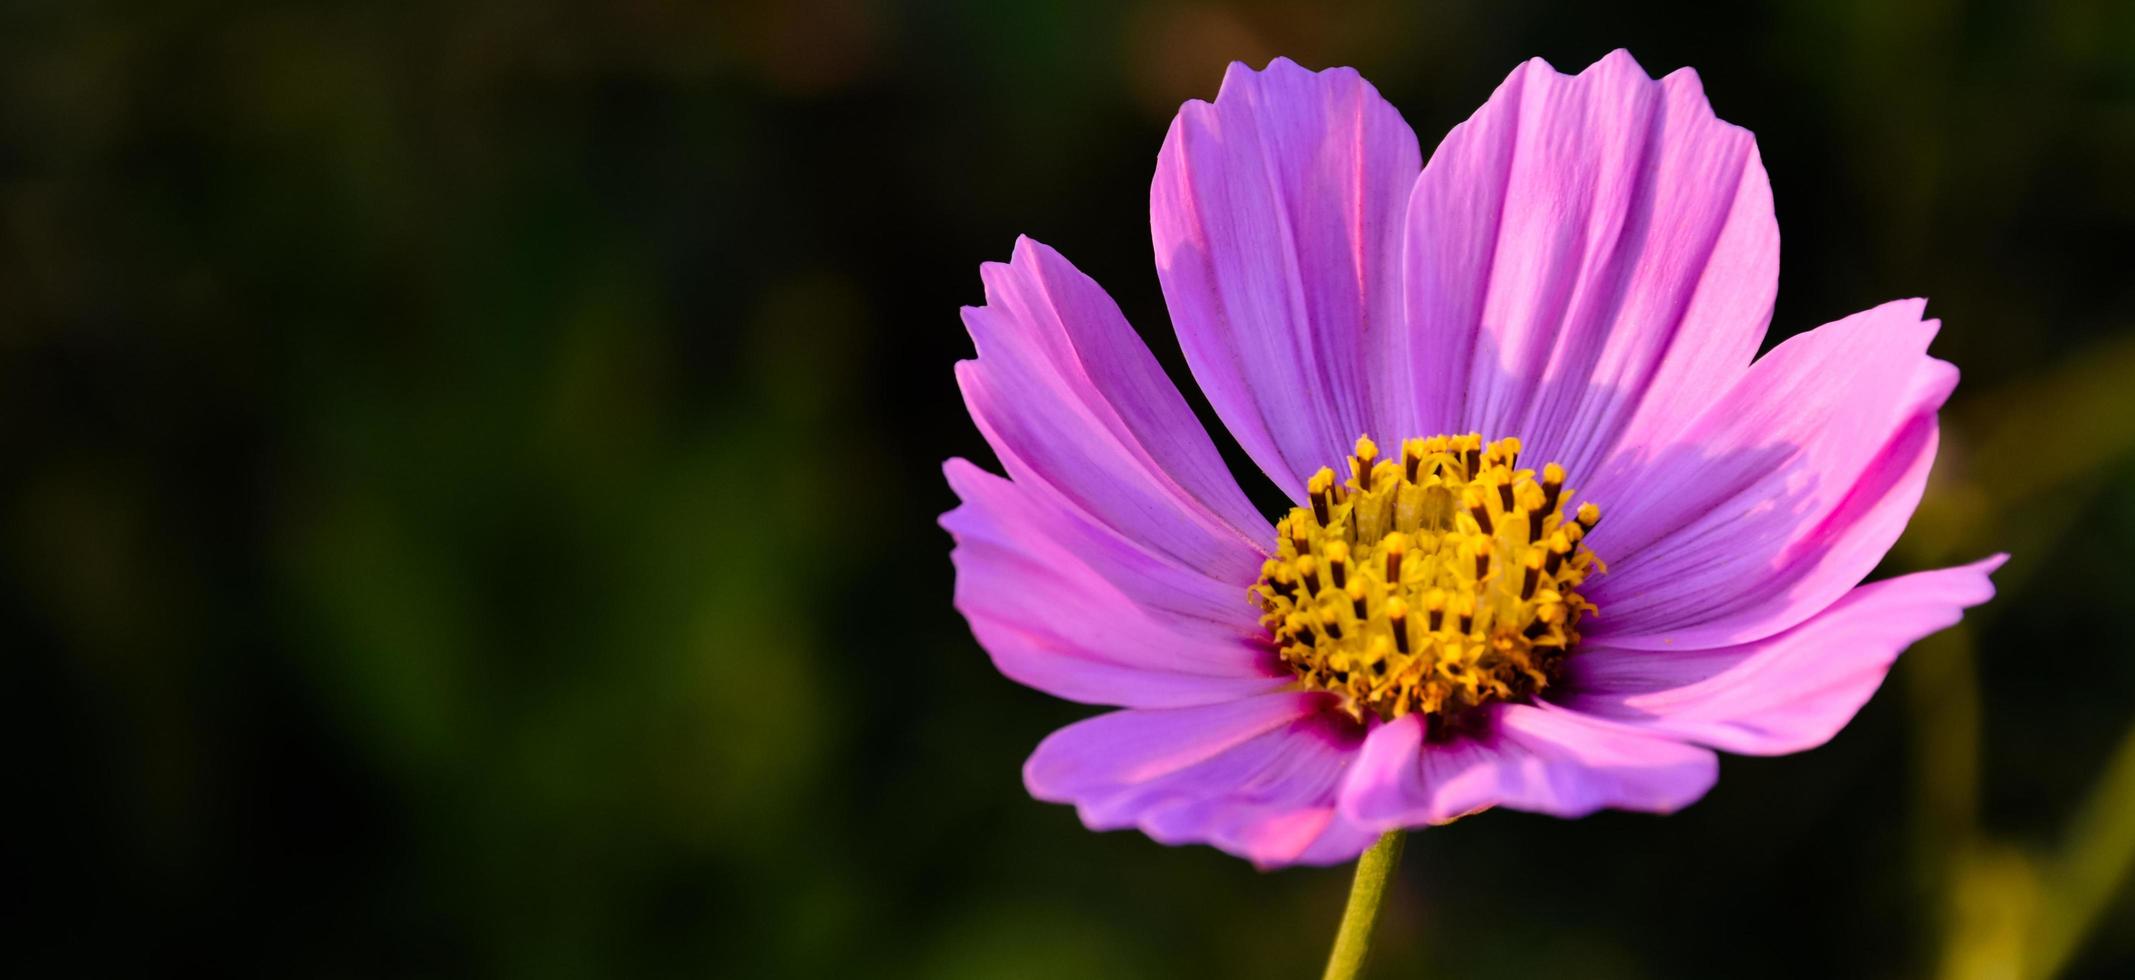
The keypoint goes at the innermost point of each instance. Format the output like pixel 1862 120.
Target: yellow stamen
pixel 1454 532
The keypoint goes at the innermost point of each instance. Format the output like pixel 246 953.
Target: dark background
pixel 470 474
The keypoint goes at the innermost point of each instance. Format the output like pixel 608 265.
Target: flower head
pixel 1558 533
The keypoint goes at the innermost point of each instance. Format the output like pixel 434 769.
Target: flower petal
pixel 1255 777
pixel 1532 757
pixel 1587 257
pixel 1780 497
pixel 1276 217
pixel 1385 784
pixel 1028 580
pixel 1784 693
pixel 1072 402
pixel 1015 517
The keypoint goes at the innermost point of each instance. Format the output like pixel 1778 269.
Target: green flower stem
pixel 1353 940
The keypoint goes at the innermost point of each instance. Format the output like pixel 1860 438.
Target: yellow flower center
pixel 1434 584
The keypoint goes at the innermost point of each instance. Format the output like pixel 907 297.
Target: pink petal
pixel 1385 783
pixel 1072 402
pixel 1784 693
pixel 1536 758
pixel 1017 517
pixel 1255 777
pixel 1780 497
pixel 1276 217
pixel 1587 258
pixel 1028 580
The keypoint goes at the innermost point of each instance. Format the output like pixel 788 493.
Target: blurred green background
pixel 471 478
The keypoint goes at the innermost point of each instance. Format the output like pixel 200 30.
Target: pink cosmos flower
pixel 1554 319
